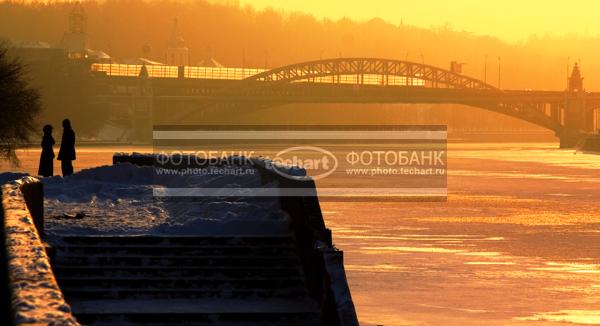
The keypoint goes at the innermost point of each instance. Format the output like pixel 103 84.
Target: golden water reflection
pixel 517 243
pixel 589 317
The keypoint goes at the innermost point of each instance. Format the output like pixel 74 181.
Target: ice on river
pixel 118 199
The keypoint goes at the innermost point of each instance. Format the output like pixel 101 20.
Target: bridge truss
pixel 358 80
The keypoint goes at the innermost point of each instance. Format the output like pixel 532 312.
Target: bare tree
pixel 19 105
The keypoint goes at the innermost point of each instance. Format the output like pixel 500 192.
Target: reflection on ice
pixel 591 290
pixel 489 263
pixel 514 174
pixel 480 253
pixel 569 267
pixel 517 153
pixel 453 308
pixel 531 216
pixel 414 249
pixel 590 317
pixel 373 268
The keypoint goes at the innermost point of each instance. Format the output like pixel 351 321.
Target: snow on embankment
pixel 35 297
pixel 119 199
pixel 7 177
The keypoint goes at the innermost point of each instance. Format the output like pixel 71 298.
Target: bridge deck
pixel 223 73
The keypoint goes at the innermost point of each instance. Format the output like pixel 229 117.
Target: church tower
pixel 576 81
pixel 75 40
pixel 177 53
pixel 577 119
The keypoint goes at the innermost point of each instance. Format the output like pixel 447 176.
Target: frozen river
pixel 518 240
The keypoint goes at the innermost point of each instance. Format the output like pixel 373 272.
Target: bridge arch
pixel 522 112
pixel 383 68
pixel 292 84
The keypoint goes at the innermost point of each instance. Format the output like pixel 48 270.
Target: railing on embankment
pixel 30 292
pixel 322 263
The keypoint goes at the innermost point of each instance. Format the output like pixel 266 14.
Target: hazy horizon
pixel 511 21
pixel 236 34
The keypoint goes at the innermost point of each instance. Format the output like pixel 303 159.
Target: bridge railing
pixel 222 73
pixel 161 71
pixel 367 79
pixel 123 70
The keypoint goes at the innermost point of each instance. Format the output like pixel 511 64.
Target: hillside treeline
pixel 243 36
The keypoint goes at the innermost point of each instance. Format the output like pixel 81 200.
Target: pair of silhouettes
pixel 66 154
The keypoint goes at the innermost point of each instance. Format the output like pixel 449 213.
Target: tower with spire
pixel 576 118
pixel 75 40
pixel 576 81
pixel 177 52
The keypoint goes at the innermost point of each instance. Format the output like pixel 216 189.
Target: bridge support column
pixel 574 120
pixel 576 116
pixel 142 107
pixel 569 139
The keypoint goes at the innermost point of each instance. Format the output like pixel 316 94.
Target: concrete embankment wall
pixel 322 263
pixel 30 291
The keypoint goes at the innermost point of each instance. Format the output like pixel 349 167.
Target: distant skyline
pixel 510 20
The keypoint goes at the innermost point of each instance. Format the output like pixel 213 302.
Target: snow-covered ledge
pixel 35 298
pixel 322 263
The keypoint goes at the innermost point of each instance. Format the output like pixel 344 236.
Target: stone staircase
pixel 190 280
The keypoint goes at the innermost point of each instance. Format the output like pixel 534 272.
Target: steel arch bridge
pixel 372 80
pixel 357 80
pixel 409 72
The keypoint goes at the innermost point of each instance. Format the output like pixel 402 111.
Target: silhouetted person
pixel 66 154
pixel 46 168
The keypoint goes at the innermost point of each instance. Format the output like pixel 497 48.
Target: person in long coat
pixel 66 154
pixel 46 168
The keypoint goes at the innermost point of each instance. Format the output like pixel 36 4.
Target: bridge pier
pixel 142 107
pixel 569 139
pixel 577 119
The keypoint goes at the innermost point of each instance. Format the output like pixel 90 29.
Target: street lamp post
pixel 485 69
pixel 266 59
pixel 499 72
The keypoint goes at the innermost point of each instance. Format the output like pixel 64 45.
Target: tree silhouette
pixel 19 105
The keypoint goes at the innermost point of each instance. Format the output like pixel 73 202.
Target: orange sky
pixel 511 20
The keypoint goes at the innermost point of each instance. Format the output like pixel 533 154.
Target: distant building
pixel 209 62
pixel 75 40
pixel 40 60
pixel 98 56
pixel 177 52
pixel 141 61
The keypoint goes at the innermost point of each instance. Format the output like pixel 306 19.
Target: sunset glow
pixel 511 20
pixel 300 162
